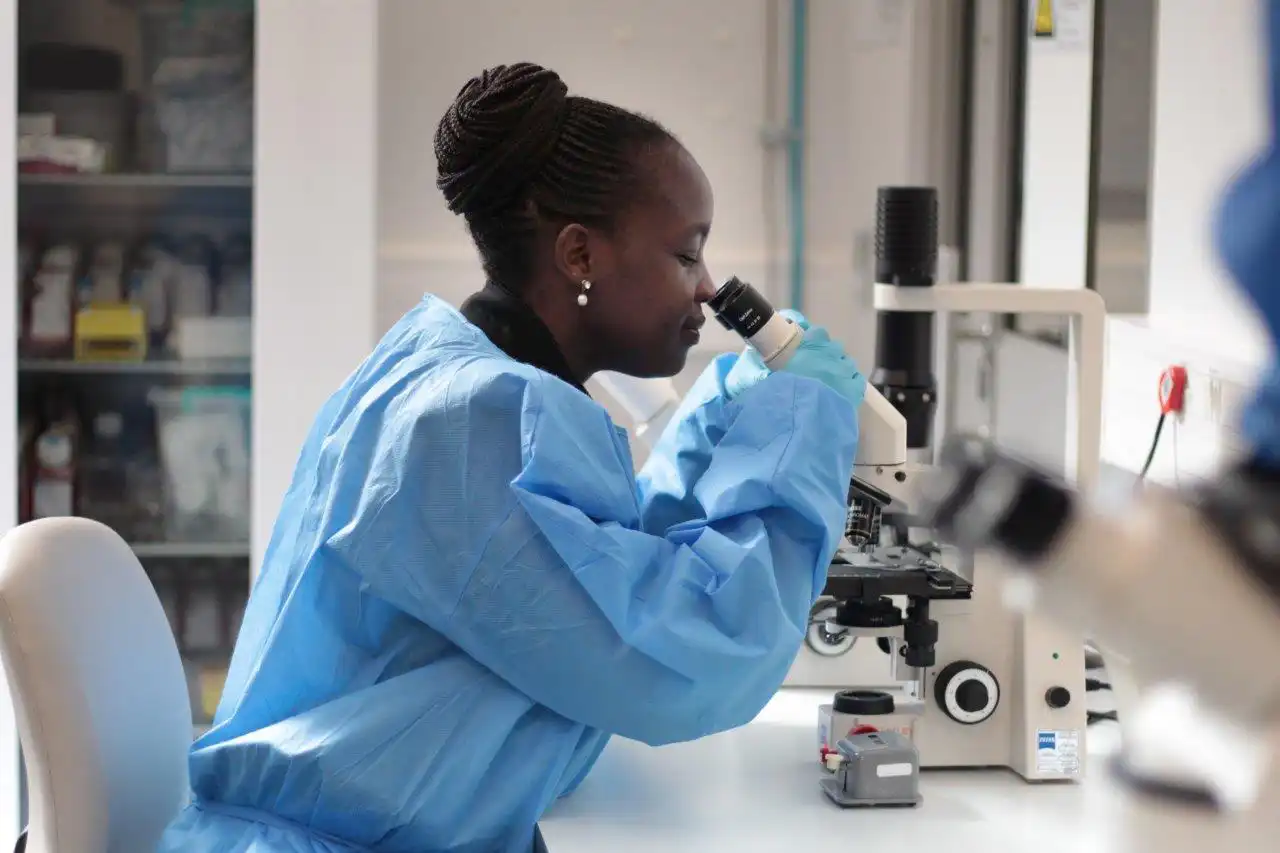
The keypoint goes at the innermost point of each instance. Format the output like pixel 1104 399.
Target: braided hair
pixel 515 150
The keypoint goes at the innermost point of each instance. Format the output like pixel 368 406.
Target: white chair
pixel 103 712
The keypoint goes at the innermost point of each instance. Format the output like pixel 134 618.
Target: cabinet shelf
pixel 163 366
pixel 189 550
pixel 158 181
pixel 159 450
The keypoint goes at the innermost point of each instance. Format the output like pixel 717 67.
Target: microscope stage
pixel 892 571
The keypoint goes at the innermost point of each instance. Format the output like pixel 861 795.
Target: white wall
pixel 876 106
pixel 315 214
pixel 1209 120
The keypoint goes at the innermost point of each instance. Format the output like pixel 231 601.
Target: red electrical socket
pixel 1173 390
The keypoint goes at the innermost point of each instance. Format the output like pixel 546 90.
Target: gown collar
pixel 514 328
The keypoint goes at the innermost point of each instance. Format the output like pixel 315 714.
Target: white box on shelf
pixel 37 124
pixel 213 337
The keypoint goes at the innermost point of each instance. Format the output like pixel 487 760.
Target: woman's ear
pixel 573 253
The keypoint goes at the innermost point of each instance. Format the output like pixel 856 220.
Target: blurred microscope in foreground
pixel 1185 584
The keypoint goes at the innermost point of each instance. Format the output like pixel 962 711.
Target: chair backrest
pixel 100 699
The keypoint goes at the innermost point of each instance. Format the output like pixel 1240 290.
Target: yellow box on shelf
pixel 111 332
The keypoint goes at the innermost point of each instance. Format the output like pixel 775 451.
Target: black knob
pixel 972 696
pixel 1057 697
pixel 968 693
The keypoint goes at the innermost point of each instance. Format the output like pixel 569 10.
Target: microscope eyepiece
pixel 740 308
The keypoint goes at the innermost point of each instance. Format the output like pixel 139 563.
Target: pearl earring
pixel 582 297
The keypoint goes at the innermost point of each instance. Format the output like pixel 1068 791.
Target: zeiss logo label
pixel 1048 740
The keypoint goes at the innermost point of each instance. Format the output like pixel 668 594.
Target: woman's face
pixel 649 279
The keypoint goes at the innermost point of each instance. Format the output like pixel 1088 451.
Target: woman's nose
pixel 705 290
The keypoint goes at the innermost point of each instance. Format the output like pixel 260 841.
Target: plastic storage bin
pixel 203 435
pixel 198 72
pixel 205 132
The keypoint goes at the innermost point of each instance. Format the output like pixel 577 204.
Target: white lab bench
pixel 756 789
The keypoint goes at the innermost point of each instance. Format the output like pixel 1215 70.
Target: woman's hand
pixel 818 357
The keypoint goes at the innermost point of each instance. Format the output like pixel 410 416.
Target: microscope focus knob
pixel 967 692
pixel 1057 697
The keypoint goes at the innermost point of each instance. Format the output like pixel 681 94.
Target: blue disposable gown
pixel 467 591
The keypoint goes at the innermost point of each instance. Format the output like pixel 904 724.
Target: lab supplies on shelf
pixel 198 71
pixel 134 299
pixel 53 479
pixel 162 464
pixel 44 154
pixel 75 114
pixel 193 111
pixel 188 294
pixel 48 300
pixel 204 451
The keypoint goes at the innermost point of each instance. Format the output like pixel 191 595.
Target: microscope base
pixel 1006 691
pixel 1061 758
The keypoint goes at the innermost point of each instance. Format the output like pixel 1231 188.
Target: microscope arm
pixel 881 463
pixel 1086 345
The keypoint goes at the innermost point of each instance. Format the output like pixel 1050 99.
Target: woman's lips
pixel 691 332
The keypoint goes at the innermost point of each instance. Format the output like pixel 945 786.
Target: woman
pixel 467 590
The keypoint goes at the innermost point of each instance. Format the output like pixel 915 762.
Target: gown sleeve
pixel 684 451
pixel 504 513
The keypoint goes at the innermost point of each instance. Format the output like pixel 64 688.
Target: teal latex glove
pixel 818 358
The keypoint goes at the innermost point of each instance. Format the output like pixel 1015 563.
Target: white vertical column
pixel 10 768
pixel 1057 147
pixel 315 225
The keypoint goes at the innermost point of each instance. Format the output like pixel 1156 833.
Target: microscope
pixel 974 684
pixel 1182 584
pixel 979 685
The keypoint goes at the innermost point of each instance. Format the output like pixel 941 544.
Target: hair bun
pixel 498 134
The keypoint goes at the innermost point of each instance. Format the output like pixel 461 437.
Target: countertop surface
pixel 756 789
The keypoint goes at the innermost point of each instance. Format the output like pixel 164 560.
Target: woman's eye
pixel 688 260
